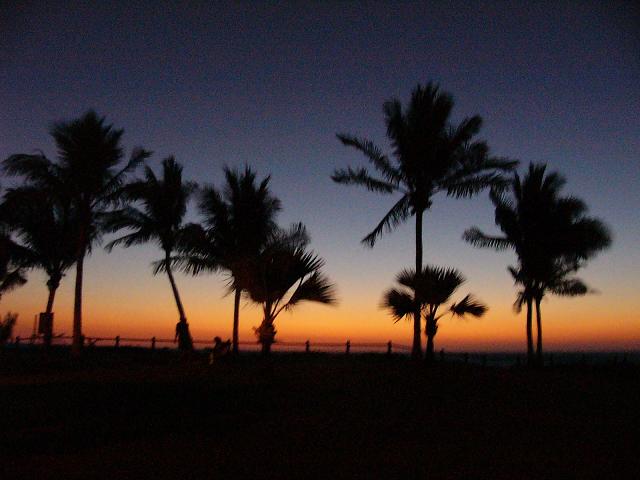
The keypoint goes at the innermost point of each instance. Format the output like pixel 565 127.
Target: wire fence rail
pixel 284 346
pixel 494 359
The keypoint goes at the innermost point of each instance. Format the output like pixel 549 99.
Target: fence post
pixel 153 343
pixel 117 341
pixel 389 347
pixel 17 341
pixel 348 346
pixel 307 346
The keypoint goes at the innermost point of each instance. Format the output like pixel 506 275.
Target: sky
pixel 269 84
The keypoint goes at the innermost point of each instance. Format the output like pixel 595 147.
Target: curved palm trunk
pixel 530 357
pixel 53 285
pixel 236 319
pixel 430 330
pixel 184 337
pixel 539 358
pixel 76 346
pixel 416 350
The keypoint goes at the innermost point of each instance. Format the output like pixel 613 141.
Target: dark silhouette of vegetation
pixel 283 275
pixel 430 155
pixel 12 258
pixel 47 234
pixel 163 204
pixel 89 174
pixel 237 223
pixel 552 238
pixel 7 325
pixel 427 291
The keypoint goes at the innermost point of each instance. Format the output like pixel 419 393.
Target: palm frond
pixel 477 238
pixel 375 156
pixel 394 217
pixel 468 306
pixel 400 304
pixel 363 178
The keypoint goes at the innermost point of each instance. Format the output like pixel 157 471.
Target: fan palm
pixel 551 236
pixel 90 175
pixel 47 233
pixel 163 204
pixel 427 291
pixel 238 221
pixel 284 275
pixel 430 155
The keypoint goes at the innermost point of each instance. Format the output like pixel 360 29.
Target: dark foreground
pixel 142 415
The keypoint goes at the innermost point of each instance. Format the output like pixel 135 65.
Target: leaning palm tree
pixel 237 223
pixel 430 155
pixel 284 275
pixel 89 174
pixel 552 239
pixel 163 203
pixel 427 291
pixel 46 230
pixel 12 261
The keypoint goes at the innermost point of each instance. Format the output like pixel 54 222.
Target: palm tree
pixel 427 291
pixel 46 230
pixel 430 155
pixel 552 238
pixel 284 275
pixel 90 175
pixel 238 221
pixel 12 260
pixel 160 219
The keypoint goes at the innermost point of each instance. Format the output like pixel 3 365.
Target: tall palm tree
pixel 237 223
pixel 284 275
pixel 47 233
pixel 89 173
pixel 428 290
pixel 163 203
pixel 552 238
pixel 430 155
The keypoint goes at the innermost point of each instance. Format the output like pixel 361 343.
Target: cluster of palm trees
pixel 63 207
pixel 551 234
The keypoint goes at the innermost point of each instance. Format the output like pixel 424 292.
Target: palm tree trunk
pixel 236 319
pixel 53 287
pixel 539 359
pixel 77 342
pixel 530 358
pixel 416 350
pixel 184 340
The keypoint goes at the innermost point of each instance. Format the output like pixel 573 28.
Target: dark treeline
pixel 63 207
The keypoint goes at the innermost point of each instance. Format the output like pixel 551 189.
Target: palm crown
pixel 430 155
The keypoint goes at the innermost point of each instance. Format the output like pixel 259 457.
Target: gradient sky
pixel 270 84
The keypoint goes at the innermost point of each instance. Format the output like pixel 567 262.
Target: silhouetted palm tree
pixel 237 224
pixel 430 156
pixel 47 233
pixel 163 207
pixel 552 239
pixel 427 292
pixel 284 275
pixel 89 174
pixel 12 260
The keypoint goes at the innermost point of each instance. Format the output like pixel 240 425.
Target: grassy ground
pixel 133 414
